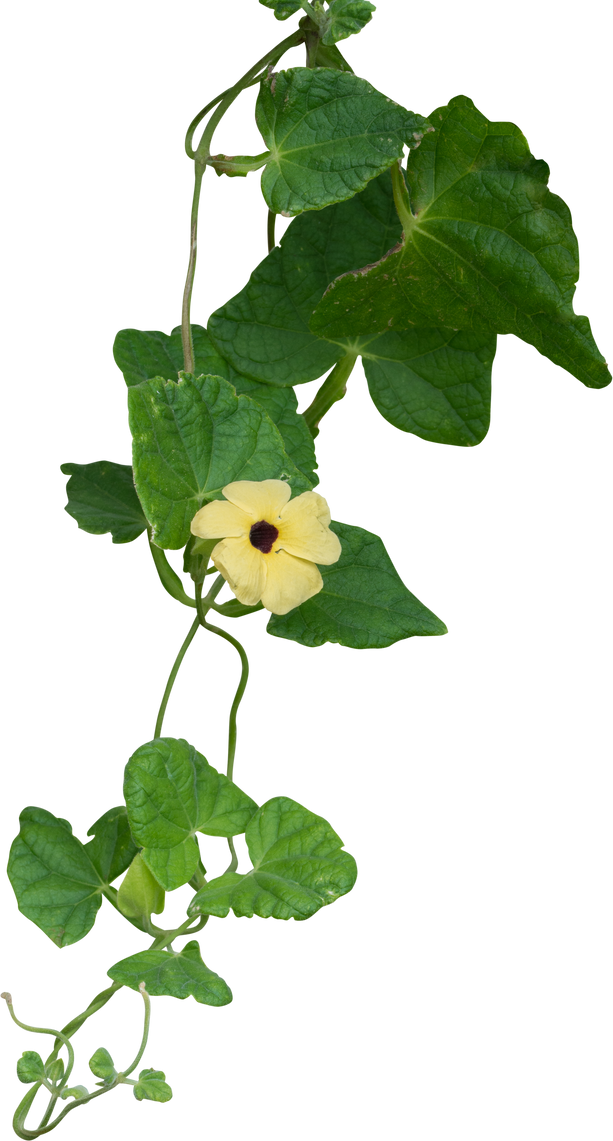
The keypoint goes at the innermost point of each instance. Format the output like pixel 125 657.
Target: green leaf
pixel 56 883
pixel 55 1070
pixel 434 383
pixel 298 867
pixel 191 438
pixel 152 1087
pixel 236 609
pixel 102 497
pixel 488 247
pixel 30 1067
pixel 264 330
pixel 140 896
pixel 178 974
pixel 141 356
pixel 101 1064
pixel 172 867
pixel 330 56
pixel 112 849
pixel 282 8
pixel 328 133
pixel 172 792
pixel 74 1091
pixel 363 604
pixel 345 18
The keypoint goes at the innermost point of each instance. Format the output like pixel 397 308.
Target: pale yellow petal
pixel 243 568
pixel 219 519
pixel 304 533
pixel 289 581
pixel 263 499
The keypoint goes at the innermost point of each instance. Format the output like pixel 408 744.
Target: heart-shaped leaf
pixel 179 974
pixel 30 1067
pixel 152 1087
pixel 102 497
pixel 345 18
pixel 101 1064
pixel 140 895
pixel 112 849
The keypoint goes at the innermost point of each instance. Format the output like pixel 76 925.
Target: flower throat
pixel 262 535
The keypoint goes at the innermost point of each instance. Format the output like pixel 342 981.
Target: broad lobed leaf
pixel 191 438
pixel 299 866
pixel 345 18
pixel 144 355
pixel 102 498
pixel 112 849
pixel 171 793
pixel 152 1087
pixel 328 134
pixel 178 974
pixel 56 883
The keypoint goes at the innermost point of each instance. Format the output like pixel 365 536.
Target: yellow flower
pixel 270 545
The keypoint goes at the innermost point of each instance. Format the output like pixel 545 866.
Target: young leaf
pixel 55 1070
pixel 179 974
pixel 298 867
pixel 102 497
pixel 152 1087
pixel 172 867
pixel 488 245
pixel 141 356
pixel 363 604
pixel 56 883
pixel 328 133
pixel 140 895
pixel 112 849
pixel 282 8
pixel 193 437
pixel 30 1067
pixel 172 792
pixel 74 1091
pixel 345 18
pixel 101 1064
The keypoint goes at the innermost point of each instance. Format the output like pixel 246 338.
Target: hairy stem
pixel 186 330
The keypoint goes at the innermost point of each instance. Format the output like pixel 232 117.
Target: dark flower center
pixel 262 535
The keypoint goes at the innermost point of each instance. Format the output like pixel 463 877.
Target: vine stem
pixel 402 201
pixel 141 1049
pixel 201 156
pixel 211 596
pixel 270 230
pixel 333 388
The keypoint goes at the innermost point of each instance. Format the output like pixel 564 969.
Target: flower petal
pixel 219 519
pixel 289 582
pixel 263 499
pixel 243 568
pixel 304 531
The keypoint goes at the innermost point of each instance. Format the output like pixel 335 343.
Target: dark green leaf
pixel 152 1087
pixel 330 56
pixel 328 133
pixel 264 330
pixel 101 501
pixel 140 895
pixel 59 882
pixel 282 8
pixel 74 1091
pixel 141 356
pixel 101 1064
pixel 365 603
pixel 489 246
pixel 172 867
pixel 193 437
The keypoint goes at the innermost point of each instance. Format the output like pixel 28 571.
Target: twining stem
pixel 141 1050
pixel 333 388
pixel 57 1034
pixel 238 697
pixel 204 603
pixel 270 230
pixel 242 685
pixel 201 156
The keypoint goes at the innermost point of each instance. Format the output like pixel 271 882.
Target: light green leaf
pixel 140 895
pixel 55 1070
pixel 152 1087
pixel 30 1067
pixel 487 246
pixel 112 849
pixel 345 18
pixel 74 1091
pixel 328 133
pixel 102 497
pixel 179 974
pixel 172 792
pixel 56 883
pixel 191 438
pixel 101 1064
pixel 363 604
pixel 141 356
pixel 298 867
